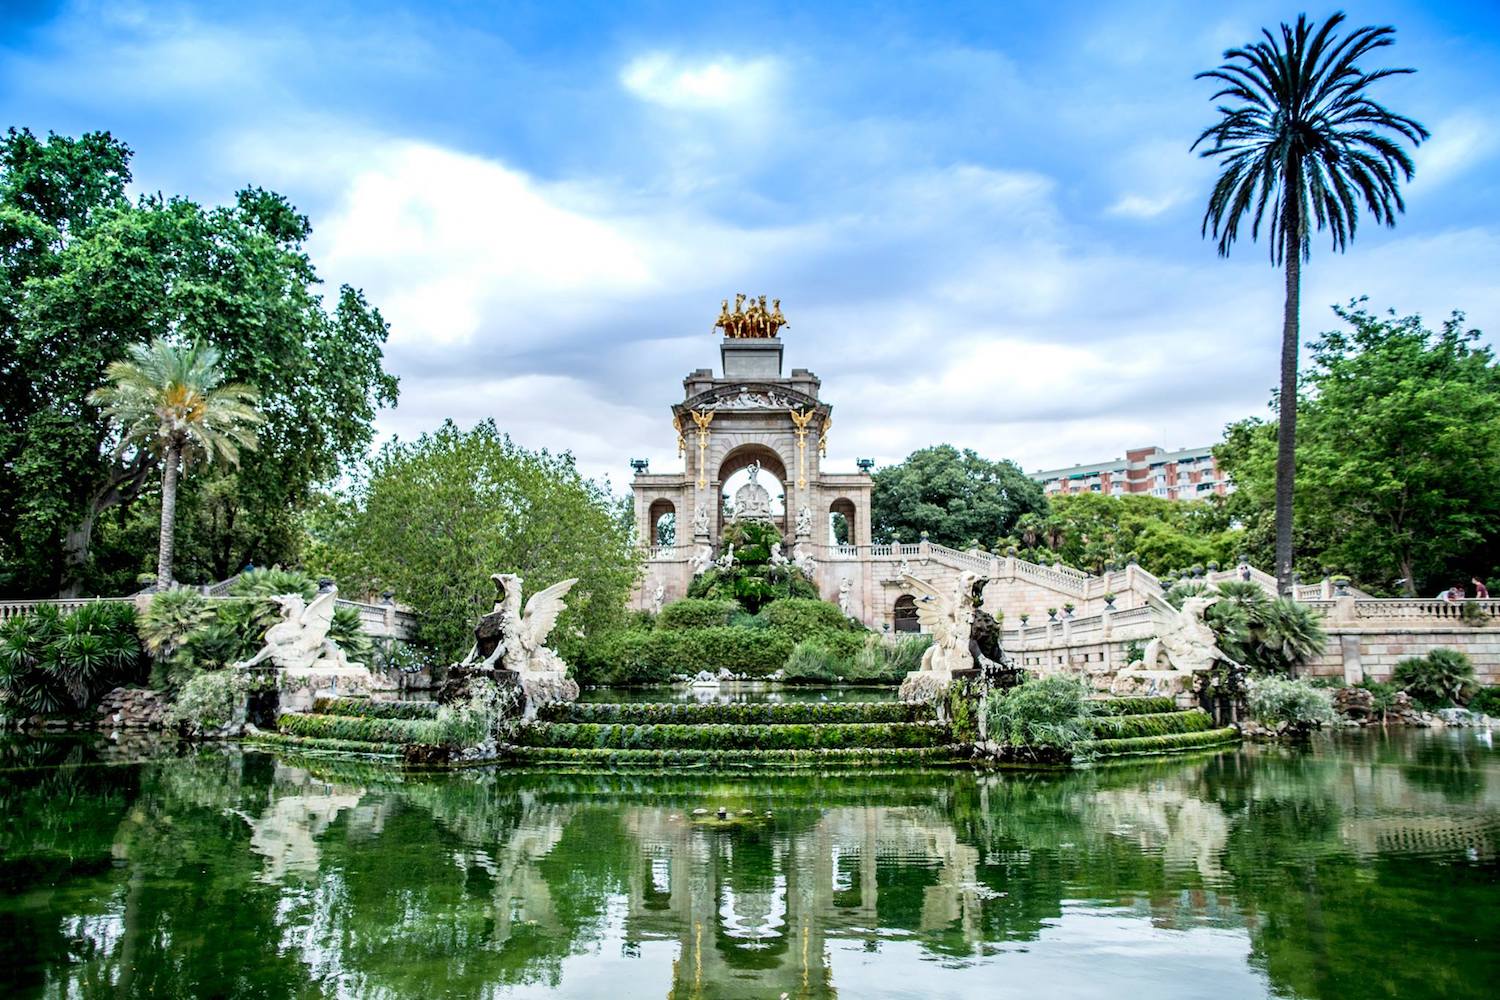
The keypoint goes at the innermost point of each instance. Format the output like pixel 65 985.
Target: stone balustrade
pixel 381 621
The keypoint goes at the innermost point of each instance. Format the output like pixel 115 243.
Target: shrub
pixel 1486 701
pixel 1441 678
pixel 1295 705
pixel 170 618
pixel 1382 695
pixel 273 582
pixel 752 587
pixel 51 662
pixel 695 613
pixel 1041 713
pixel 811 662
pixel 209 700
pixel 800 618
pixel 633 658
pixel 1286 635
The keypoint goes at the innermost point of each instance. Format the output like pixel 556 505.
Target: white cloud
pixel 1458 143
pixel 1138 206
pixel 721 84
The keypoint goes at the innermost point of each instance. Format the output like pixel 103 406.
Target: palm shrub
pixel 1287 635
pixel 1302 143
pixel 51 662
pixel 1441 678
pixel 1292 705
pixel 171 617
pixel 1047 713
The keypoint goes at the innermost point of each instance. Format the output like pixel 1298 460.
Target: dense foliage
pixel 752 581
pixel 732 713
pixel 440 514
pixel 1294 705
pixel 1269 635
pixel 1092 530
pixel 873 660
pixel 1050 712
pixel 1442 678
pixel 956 497
pixel 1398 457
pixel 51 662
pixel 85 274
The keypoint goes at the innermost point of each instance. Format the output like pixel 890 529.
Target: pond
pixel 1361 866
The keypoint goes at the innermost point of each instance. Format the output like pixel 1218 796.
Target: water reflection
pixel 1363 868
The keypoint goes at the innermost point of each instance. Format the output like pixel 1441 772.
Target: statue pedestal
pixel 925 686
pixel 545 687
pixel 1175 684
pixel 299 687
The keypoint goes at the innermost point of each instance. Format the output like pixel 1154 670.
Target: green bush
pixel 1295 704
pixel 729 737
pixel 170 618
pixel 209 700
pixel 1442 678
pixel 1486 701
pixel 273 582
pixel 51 662
pixel 812 662
pixel 733 713
pixel 1118 727
pixel 752 587
pixel 801 618
pixel 1382 695
pixel 1050 712
pixel 636 658
pixel 695 613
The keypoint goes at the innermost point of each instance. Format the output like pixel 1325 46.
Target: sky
pixel 982 219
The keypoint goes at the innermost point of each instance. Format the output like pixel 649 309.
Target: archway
pixel 904 618
pixel 841 522
pixel 662 518
pixel 734 473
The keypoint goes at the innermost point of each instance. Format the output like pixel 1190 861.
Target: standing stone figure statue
pixel 658 596
pixel 777 558
pixel 804 521
pixel 844 586
pixel 700 521
pixel 802 558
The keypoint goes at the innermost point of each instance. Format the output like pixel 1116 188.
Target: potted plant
pixel 1024 619
pixel 1213 567
pixel 1340 586
pixel 1052 614
pixel 1068 610
pixel 1109 601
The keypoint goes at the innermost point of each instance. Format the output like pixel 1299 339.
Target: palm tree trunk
pixel 168 516
pixel 1286 438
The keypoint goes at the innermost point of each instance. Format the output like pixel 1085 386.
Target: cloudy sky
pixel 982 218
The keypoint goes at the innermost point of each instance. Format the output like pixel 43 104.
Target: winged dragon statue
pixel 515 639
pixel 300 640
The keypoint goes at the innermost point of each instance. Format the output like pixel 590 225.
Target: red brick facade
pixel 1189 474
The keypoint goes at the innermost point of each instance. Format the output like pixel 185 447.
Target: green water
pixel 1365 867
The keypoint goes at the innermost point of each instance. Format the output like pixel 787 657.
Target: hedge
pixel 709 758
pixel 1117 727
pixel 736 713
pixel 1164 744
pixel 692 613
pixel 653 657
pixel 1131 706
pixel 367 709
pixel 731 737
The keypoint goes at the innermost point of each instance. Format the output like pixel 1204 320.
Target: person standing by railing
pixel 1481 592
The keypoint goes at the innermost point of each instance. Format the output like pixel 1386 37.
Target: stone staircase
pixel 396 729
pixel 674 734
pixel 1130 726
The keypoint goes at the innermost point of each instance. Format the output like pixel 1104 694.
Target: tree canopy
pixel 1398 456
pixel 956 497
pixel 85 274
pixel 1088 530
pixel 438 515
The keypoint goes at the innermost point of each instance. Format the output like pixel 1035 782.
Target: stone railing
pixel 13 609
pixel 1415 610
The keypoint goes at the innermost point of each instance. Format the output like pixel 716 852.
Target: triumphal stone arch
pixel 752 416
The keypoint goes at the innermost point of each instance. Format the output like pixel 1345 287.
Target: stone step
pixel 324 745
pixel 1110 727
pixel 369 709
pixel 720 737
pixel 613 757
pixel 360 729
pixel 737 713
pixel 1131 706
pixel 1171 743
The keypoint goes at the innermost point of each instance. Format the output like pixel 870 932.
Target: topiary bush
pixel 1442 678
pixel 51 662
pixel 1294 706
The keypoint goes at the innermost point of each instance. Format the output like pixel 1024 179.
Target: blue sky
pixel 982 219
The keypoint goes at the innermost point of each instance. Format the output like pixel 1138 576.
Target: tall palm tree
pixel 1301 143
pixel 172 399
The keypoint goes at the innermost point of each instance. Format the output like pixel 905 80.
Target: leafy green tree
pixel 954 496
pixel 172 400
pixel 1398 456
pixel 1162 535
pixel 85 274
pixel 440 514
pixel 1302 144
